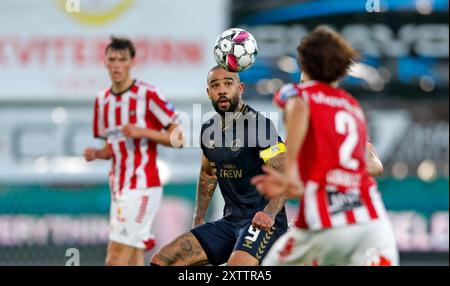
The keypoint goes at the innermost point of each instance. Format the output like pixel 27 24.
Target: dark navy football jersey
pixel 234 151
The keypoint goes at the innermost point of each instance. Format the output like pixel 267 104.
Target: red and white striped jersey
pixel 332 160
pixel 133 160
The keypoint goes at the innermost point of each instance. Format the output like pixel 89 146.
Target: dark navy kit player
pixel 236 143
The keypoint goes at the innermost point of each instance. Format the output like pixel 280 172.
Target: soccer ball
pixel 235 50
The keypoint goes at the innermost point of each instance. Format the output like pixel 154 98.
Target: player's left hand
pixel 270 184
pixel 262 221
pixel 132 131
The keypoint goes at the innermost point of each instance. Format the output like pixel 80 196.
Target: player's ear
pixel 105 58
pixel 207 91
pixel 242 87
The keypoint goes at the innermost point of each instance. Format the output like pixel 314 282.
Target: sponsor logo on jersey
pixel 341 202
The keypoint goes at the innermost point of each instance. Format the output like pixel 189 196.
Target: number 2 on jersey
pixel 346 125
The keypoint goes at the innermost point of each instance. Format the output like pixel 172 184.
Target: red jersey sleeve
pixel 98 125
pixel 161 109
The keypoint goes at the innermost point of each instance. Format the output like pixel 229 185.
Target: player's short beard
pixel 234 104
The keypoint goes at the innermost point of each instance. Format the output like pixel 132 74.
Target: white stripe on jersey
pixel 100 114
pixel 312 215
pixel 113 140
pixel 340 218
pixel 124 108
pixel 377 202
pixel 129 164
pixel 361 214
pixel 111 113
pixel 129 141
pixel 116 171
pixel 140 115
pixel 160 114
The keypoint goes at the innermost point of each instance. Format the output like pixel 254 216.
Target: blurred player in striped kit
pixel 133 117
pixel 342 219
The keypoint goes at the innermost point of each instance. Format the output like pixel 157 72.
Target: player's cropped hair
pixel 325 55
pixel 118 44
pixel 218 67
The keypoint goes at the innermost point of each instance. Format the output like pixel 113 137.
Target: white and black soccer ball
pixel 235 50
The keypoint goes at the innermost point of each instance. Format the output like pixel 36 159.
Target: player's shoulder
pixel 342 93
pixel 146 86
pixel 292 90
pixel 150 90
pixel 348 96
pixel 286 92
pixel 251 114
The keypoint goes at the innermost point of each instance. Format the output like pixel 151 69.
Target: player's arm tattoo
pixel 278 162
pixel 277 203
pixel 207 183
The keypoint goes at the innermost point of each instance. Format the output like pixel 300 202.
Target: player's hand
pixel 132 131
pixel 262 221
pixel 90 154
pixel 271 183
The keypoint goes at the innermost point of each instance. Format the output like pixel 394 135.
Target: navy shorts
pixel 221 238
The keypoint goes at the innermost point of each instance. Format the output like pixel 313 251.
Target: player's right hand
pixel 262 221
pixel 89 154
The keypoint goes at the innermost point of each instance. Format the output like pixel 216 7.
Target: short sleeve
pixel 162 109
pixel 98 124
